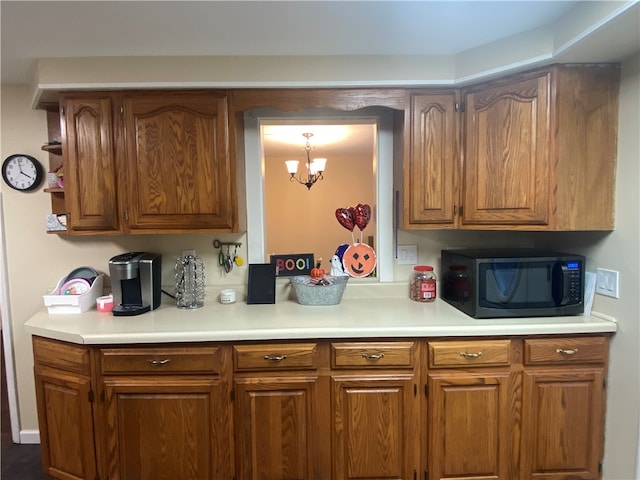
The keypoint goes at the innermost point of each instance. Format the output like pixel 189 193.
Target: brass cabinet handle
pixel 159 363
pixel 470 355
pixel 373 356
pixel 275 358
pixel 570 351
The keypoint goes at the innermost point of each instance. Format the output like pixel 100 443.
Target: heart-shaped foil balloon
pixel 346 217
pixel 362 215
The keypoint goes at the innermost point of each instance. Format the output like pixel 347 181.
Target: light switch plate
pixel 407 254
pixel 607 282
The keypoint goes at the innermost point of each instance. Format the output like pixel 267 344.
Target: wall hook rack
pixel 218 244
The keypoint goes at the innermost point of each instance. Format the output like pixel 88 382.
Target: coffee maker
pixel 135 282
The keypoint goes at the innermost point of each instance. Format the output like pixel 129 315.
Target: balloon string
pixel 353 240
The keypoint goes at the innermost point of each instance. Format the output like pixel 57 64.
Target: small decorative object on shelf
pixel 56 223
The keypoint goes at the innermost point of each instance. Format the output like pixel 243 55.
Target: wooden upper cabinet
pixel 148 162
pixel 89 162
pixel 540 150
pixel 537 152
pixel 178 164
pixel 431 160
pixel 506 174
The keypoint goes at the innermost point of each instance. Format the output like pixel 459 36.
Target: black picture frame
pixel 262 284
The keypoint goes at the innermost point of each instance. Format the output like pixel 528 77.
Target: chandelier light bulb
pixel 292 166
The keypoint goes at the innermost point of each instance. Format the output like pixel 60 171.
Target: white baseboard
pixel 30 436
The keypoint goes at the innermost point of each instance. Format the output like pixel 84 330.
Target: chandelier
pixel 315 167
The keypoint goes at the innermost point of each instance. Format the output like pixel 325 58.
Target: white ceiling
pixel 32 29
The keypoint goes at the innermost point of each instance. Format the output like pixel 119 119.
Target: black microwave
pixel 523 282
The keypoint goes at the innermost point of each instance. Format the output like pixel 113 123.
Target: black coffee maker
pixel 135 282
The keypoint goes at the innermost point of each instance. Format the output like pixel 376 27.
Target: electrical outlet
pixel 607 282
pixel 407 254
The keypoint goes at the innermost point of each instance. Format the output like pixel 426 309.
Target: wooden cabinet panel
pixel 469 353
pixel 562 432
pixel 375 427
pixel 52 353
pixel 507 142
pixel 431 160
pixel 288 356
pixel 65 418
pixel 565 351
pixel 472 421
pixel 160 360
pixel 178 162
pixel 166 428
pixel 373 355
pixel 281 428
pixel 90 162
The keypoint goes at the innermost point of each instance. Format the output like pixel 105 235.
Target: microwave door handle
pixel 560 284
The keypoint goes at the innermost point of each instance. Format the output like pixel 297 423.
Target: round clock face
pixel 22 172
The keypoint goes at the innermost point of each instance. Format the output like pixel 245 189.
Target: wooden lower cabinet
pixel 473 399
pixel 164 428
pixel 563 408
pixel 279 428
pixel 479 409
pixel 65 417
pixel 66 409
pixel 471 420
pixel 375 430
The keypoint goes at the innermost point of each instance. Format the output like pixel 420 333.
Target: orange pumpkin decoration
pixel 359 260
pixel 317 272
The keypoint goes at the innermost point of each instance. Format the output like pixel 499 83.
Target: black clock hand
pixel 20 165
pixel 22 173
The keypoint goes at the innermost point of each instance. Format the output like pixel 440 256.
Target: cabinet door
pixel 562 431
pixel 375 427
pixel 431 163
pixel 471 425
pixel 178 160
pixel 89 163
pixel 65 419
pixel 166 428
pixel 279 430
pixel 507 154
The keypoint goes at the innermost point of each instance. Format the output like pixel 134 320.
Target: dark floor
pixel 19 462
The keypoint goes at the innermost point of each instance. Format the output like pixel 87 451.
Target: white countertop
pixel 364 317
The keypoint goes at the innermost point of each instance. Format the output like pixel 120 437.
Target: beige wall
pixel 36 260
pixel 621 251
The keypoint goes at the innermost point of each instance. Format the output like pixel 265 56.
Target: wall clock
pixel 22 172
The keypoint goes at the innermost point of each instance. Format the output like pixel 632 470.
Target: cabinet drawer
pixel 294 356
pixel 471 353
pixel 159 360
pixel 373 355
pixel 64 356
pixel 546 351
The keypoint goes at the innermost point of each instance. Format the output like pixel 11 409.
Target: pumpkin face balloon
pixel 359 260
